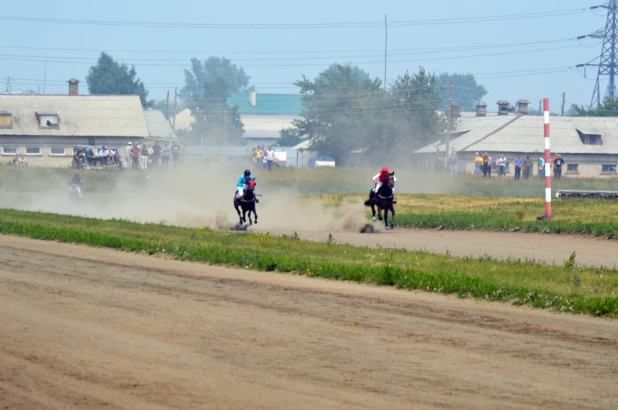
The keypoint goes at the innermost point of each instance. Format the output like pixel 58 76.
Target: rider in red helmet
pixel 381 178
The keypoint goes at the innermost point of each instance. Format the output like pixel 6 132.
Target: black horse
pixel 247 203
pixel 384 201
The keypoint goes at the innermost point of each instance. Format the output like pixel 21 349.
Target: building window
pixel 572 167
pixel 48 120
pixel 9 150
pixel 57 151
pixel 33 150
pixel 6 120
pixel 610 169
pixel 589 138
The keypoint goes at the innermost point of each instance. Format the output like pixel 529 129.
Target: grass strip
pixel 566 288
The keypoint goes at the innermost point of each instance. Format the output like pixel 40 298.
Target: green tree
pixel 201 73
pixel 466 91
pixel 409 119
pixel 109 77
pixel 215 121
pixel 289 138
pixel 337 110
pixel 608 108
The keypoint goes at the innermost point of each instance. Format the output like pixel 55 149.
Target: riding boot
pixel 236 203
pixel 394 200
pixel 257 201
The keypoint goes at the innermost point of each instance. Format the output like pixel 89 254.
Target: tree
pixel 337 110
pixel 109 77
pixel 289 138
pixel 412 118
pixel 210 69
pixel 466 91
pixel 608 108
pixel 215 121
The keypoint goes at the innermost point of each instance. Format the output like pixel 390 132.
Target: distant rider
pixel 75 183
pixel 242 185
pixel 379 180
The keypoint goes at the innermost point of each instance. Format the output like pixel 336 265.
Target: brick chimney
pixel 73 86
pixel 481 109
pixel 503 107
pixel 522 107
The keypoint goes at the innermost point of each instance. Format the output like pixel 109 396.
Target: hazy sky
pixel 276 57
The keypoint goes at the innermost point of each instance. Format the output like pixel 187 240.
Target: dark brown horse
pixel 247 204
pixel 383 199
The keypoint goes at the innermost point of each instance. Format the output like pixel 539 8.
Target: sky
pixel 526 50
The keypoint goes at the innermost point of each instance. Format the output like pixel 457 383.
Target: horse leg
pixel 255 214
pixel 386 218
pixel 393 219
pixel 249 213
pixel 373 212
pixel 238 211
pixel 379 213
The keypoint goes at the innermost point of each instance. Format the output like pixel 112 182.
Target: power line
pixel 271 26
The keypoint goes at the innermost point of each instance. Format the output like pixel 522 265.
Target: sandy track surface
pixel 501 245
pixel 95 328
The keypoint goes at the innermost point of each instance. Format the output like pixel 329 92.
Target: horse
pixel 384 201
pixel 247 203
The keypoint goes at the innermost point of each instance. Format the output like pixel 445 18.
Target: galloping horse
pixel 384 201
pixel 247 203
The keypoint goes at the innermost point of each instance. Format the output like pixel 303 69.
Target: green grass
pixel 566 287
pixel 466 212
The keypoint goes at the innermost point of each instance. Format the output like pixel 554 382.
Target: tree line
pixel 344 109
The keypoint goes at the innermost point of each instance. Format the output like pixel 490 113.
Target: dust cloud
pixel 194 195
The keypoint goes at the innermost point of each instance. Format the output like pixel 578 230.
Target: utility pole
pixel 8 84
pixel 385 48
pixel 174 110
pixel 167 107
pixel 541 105
pixel 563 101
pixel 448 118
pixel 608 59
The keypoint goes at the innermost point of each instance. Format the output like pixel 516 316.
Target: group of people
pixel 19 161
pixel 483 165
pixel 103 157
pixel 262 159
pixel 144 156
pixel 446 163
pixel 140 156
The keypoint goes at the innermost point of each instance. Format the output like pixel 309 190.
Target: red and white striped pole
pixel 547 160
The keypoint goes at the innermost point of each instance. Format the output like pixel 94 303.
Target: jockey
pixel 379 180
pixel 242 184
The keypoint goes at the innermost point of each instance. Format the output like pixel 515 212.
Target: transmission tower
pixel 608 59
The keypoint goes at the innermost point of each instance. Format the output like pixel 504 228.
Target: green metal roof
pixel 267 103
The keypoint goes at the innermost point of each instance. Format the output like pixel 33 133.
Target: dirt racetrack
pixel 95 328
pixel 500 245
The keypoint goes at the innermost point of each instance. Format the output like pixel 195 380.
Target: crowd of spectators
pixel 262 159
pixel 484 165
pixel 139 156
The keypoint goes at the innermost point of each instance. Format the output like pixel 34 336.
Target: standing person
pixel 501 163
pixel 490 164
pixel 518 163
pixel 166 154
pixel 143 157
pixel 558 163
pixel 135 157
pixel 252 158
pixel 527 167
pixel 150 152
pixel 156 153
pixel 264 160
pixel 258 158
pixel 176 153
pixel 478 165
pixel 439 164
pixel 541 166
pixel 452 160
pixel 485 164
pixel 270 158
pixel 127 154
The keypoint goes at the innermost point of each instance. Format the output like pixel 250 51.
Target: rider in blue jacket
pixel 242 184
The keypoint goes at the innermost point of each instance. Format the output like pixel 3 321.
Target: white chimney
pixel 253 98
